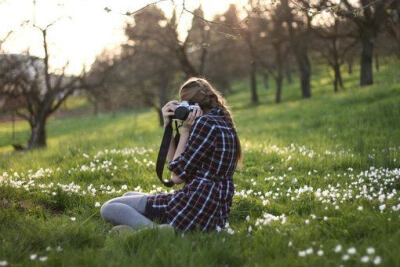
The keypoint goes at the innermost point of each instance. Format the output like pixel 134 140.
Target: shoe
pixel 166 228
pixel 122 229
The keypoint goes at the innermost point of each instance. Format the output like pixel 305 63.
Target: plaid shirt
pixel 207 165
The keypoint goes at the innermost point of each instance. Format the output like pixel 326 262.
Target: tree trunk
pixel 377 61
pixel 266 79
pixel 366 62
pixel 38 134
pixel 160 117
pixel 288 73
pixel 338 78
pixel 278 94
pixel 350 66
pixel 305 74
pixel 253 82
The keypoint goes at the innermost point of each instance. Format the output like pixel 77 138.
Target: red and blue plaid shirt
pixel 207 165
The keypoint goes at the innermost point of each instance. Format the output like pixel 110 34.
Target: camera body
pixel 183 109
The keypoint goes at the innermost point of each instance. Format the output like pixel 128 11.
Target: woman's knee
pixel 105 210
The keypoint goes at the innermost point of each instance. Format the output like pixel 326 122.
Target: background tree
pixel 368 16
pixel 43 92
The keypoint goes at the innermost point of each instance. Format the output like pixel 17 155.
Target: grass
pixel 322 168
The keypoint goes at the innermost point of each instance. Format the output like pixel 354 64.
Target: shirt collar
pixel 216 111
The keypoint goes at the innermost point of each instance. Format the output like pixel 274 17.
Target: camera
pixel 183 109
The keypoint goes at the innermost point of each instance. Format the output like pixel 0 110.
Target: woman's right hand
pixel 169 110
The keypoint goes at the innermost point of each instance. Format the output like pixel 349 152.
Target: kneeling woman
pixel 205 159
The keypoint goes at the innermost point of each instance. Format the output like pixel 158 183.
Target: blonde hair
pixel 200 91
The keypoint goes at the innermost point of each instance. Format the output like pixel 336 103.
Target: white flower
pixel 218 228
pixel 97 204
pixel 3 263
pixel 290 168
pixel 84 168
pixel 302 253
pixel 250 229
pixel 73 219
pixel 325 218
pixel 320 252
pixel 43 258
pixel 377 260
pixel 309 251
pixel 307 221
pixel 33 257
pixel 86 155
pixel 290 244
pixel 351 250
pixel 48 248
pixel 370 250
pixel 338 248
pixel 230 231
pixel 345 257
pixel 360 208
pixel 247 218
pixel 364 259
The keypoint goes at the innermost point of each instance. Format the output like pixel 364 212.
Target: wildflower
pixel 218 228
pixel 97 204
pixel 309 251
pixel 59 249
pixel 290 244
pixel 325 218
pixel 48 248
pixel 365 259
pixel 351 250
pixel 302 253
pixel 382 207
pixel 3 263
pixel 33 257
pixel 230 231
pixel 73 219
pixel 247 218
pixel 43 258
pixel 370 250
pixel 307 221
pixel 320 252
pixel 345 257
pixel 338 248
pixel 250 229
pixel 377 260
pixel 360 208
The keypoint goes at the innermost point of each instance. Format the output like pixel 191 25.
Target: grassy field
pixel 319 185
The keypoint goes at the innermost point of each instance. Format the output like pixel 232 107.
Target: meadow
pixel 319 184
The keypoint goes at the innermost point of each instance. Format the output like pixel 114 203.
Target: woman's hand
pixel 187 124
pixel 169 110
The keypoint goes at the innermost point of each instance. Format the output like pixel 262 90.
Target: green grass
pixel 318 159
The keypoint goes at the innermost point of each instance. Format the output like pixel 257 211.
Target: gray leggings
pixel 127 210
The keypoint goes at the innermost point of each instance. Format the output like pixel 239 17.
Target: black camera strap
pixel 162 153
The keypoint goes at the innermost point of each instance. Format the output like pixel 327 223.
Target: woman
pixel 205 159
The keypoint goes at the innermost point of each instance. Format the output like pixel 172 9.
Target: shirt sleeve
pixel 201 139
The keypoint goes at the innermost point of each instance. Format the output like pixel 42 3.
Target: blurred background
pixel 73 58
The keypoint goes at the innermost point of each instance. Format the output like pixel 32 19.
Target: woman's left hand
pixel 188 123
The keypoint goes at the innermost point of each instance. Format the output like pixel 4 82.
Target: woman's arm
pixel 179 149
pixel 171 149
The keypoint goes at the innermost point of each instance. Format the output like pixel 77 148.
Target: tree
pixel 298 26
pixel 43 92
pixel 368 16
pixel 334 44
pixel 152 62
